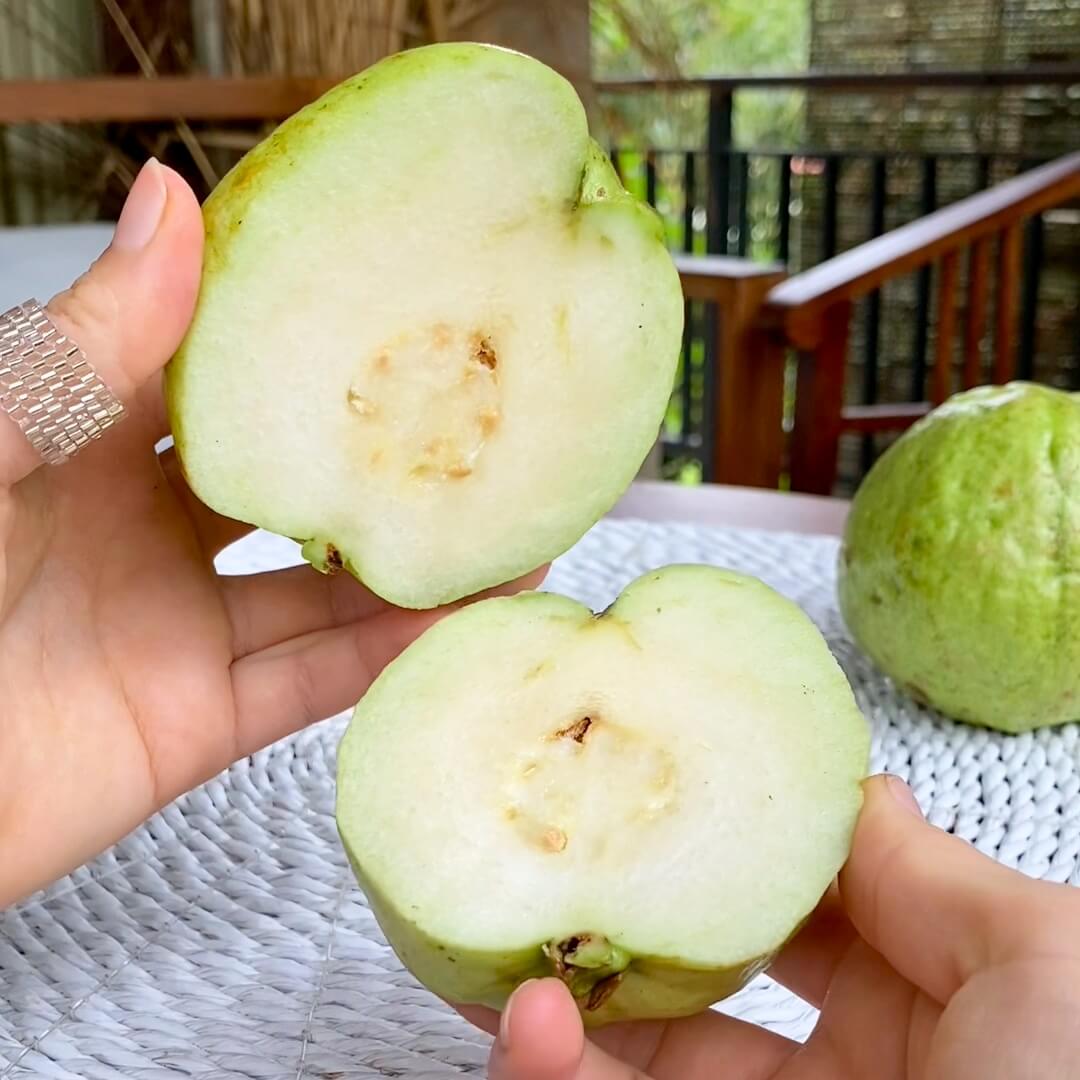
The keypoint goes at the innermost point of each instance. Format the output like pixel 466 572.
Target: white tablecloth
pixel 228 939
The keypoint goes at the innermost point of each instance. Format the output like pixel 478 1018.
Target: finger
pixel 865 991
pixel 541 1037
pixel 283 688
pixel 214 531
pixel 269 608
pixel 807 964
pixel 936 908
pixel 129 312
pixel 709 1046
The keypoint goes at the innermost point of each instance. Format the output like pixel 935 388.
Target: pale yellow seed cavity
pixel 435 395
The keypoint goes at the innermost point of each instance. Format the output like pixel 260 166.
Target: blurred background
pixel 783 132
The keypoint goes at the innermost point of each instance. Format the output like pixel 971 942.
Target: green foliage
pixel 696 38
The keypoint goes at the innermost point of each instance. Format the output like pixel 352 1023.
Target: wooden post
pixel 748 447
pixel 975 328
pixel 748 435
pixel 942 381
pixel 819 404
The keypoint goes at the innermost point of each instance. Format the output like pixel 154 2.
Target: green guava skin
pixel 652 987
pixel 959 572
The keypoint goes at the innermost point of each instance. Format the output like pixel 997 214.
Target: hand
pixel 929 962
pixel 129 670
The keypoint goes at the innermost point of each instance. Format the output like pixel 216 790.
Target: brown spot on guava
pixel 576 731
pixel 483 353
pixel 334 562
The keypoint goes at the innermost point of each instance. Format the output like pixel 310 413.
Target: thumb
pixel 541 1037
pixel 129 312
pixel 937 909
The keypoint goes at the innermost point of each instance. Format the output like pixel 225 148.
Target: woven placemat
pixel 227 938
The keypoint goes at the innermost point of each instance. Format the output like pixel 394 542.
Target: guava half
pixel 646 803
pixel 960 568
pixel 435 337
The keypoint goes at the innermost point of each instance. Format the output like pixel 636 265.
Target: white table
pixel 721 506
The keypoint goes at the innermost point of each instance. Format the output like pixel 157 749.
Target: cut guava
pixel 960 568
pixel 435 338
pixel 646 803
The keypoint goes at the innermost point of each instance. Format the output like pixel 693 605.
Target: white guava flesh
pixel 646 803
pixel 435 338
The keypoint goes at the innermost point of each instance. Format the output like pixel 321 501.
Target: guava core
pixel 960 568
pixel 647 804
pixel 435 337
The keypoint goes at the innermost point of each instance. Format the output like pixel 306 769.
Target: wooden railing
pixel 133 98
pixel 810 314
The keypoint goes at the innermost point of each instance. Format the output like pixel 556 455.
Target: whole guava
pixel 959 572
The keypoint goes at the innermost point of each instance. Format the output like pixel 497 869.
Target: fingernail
pixel 903 795
pixel 504 1020
pixel 142 211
